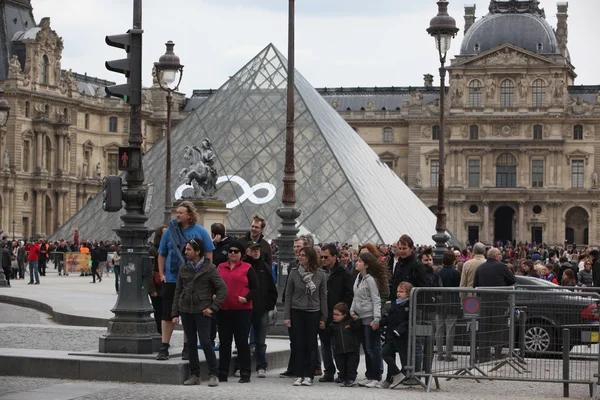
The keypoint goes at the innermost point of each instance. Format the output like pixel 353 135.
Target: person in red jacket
pixel 33 255
pixel 233 319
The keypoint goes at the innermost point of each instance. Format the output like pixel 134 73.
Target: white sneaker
pixel 237 373
pixel 397 380
pixel 307 382
pixel 364 382
pixel 373 384
pixel 261 373
pixel 298 382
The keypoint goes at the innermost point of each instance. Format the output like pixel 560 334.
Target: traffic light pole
pixel 132 330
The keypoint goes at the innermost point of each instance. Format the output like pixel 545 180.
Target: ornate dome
pixel 524 27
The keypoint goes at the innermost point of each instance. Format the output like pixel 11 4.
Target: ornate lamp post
pixel 168 71
pixel 288 211
pixel 442 28
pixel 4 114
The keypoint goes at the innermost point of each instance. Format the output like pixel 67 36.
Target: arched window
pixel 539 93
pixel 45 66
pixel 388 135
pixel 506 171
pixel 507 93
pixel 475 93
pixel 474 132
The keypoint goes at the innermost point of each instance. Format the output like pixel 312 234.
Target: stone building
pixel 63 133
pixel 521 138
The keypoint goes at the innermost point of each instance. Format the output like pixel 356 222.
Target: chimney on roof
pixel 428 80
pixel 469 16
pixel 562 28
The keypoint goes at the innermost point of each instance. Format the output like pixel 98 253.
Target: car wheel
pixel 539 338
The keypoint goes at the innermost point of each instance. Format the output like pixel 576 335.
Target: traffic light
pixel 113 194
pixel 131 66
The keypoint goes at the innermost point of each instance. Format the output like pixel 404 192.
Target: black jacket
pixel 397 319
pixel 596 271
pixel 266 296
pixel 220 253
pixel 493 273
pixel 449 301
pixel 410 270
pixel 339 288
pixel 265 248
pixel 347 335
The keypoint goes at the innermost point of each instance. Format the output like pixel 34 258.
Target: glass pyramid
pixel 345 192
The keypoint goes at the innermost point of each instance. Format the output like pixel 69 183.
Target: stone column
pixel 6 207
pixel 39 195
pixel 593 225
pixel 486 222
pixel 60 162
pixel 38 152
pixel 61 205
pixel 521 236
pixel 559 163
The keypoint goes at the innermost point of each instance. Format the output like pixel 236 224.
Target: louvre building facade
pixel 521 136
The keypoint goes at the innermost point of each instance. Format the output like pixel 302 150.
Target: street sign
pixel 472 307
pixel 130 159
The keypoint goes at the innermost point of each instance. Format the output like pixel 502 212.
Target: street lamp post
pixel 288 211
pixel 168 71
pixel 4 114
pixel 442 28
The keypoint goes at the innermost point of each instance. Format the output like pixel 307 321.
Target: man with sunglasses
pixel 170 258
pixel 339 290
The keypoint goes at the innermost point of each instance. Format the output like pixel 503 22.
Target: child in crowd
pixel 396 336
pixel 346 332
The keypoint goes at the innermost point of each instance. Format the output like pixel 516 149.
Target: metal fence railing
pixel 521 333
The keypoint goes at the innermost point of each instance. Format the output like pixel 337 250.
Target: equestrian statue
pixel 201 173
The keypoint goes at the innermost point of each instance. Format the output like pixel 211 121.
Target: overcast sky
pixel 338 43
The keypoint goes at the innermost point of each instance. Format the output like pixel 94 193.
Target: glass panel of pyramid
pixel 346 193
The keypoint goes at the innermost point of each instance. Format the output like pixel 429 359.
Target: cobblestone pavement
pixel 19 388
pixel 17 324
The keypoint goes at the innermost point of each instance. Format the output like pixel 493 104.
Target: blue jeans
pixel 33 270
pixel 117 269
pixel 372 347
pixel 260 322
pixel 194 326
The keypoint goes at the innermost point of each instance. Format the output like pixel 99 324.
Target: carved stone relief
pixel 506 130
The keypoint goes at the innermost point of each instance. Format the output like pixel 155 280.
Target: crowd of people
pixel 213 283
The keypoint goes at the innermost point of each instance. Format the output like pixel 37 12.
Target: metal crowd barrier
pixel 520 333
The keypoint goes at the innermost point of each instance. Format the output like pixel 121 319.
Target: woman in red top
pixel 234 316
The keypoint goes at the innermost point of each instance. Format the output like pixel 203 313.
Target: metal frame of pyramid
pixel 346 193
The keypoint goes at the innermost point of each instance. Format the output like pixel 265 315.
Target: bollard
pixel 566 336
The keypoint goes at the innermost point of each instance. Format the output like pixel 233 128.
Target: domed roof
pixel 528 31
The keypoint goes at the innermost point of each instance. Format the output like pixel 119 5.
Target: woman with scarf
pixel 305 313
pixel 234 318
pixel 199 293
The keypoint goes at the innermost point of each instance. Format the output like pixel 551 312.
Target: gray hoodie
pixel 367 301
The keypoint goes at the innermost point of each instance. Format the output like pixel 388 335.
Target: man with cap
pixel 263 302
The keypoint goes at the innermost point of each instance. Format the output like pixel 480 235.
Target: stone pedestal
pixel 209 211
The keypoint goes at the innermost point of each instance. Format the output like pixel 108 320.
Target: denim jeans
pixel 198 326
pixel 372 347
pixel 260 322
pixel 117 269
pixel 327 344
pixel 33 271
